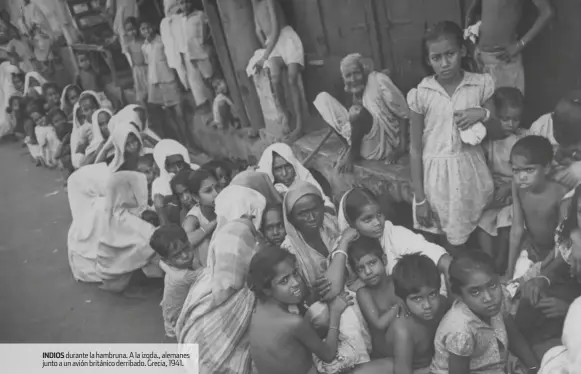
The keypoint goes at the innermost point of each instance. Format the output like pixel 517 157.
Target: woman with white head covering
pixel 170 157
pixel 566 358
pixel 29 79
pixel 124 245
pixel 100 133
pixel 284 169
pixel 379 114
pixel 7 90
pixel 217 312
pixel 69 97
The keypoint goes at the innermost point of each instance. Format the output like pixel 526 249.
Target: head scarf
pixel 166 148
pixel 301 173
pixel 28 78
pixel 64 101
pixel 342 219
pixel 259 182
pixel 572 335
pixel 129 115
pixel 311 262
pixel 96 130
pixel 236 201
pixel 119 138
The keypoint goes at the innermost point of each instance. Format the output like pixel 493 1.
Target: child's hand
pixel 425 216
pixel 466 118
pixel 349 235
pixel 340 303
pixel 503 195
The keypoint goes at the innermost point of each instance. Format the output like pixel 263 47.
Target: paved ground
pixel 40 302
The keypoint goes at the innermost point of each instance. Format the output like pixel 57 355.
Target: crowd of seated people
pixel 267 274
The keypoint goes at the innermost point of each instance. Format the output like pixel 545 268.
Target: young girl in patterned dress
pixel 451 181
pixel 136 59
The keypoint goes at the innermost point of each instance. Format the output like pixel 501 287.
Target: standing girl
pixel 200 221
pixel 451 181
pixel 136 59
pixel 163 86
pixel 476 334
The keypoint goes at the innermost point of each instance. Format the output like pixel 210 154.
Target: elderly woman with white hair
pixel 374 127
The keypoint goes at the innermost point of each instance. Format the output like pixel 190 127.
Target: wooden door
pixel 402 24
pixel 329 30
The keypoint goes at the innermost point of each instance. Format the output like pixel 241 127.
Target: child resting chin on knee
pixel 181 268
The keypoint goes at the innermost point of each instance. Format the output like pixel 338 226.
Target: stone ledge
pixel 382 179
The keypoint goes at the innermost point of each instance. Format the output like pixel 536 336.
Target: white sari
pixel 301 172
pixel 162 150
pixel 86 190
pixel 124 245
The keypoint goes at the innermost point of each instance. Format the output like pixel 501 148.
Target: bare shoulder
pixel 558 190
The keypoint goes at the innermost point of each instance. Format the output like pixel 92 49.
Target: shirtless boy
pixel 377 299
pixel 282 342
pixel 283 49
pixel 536 201
pixel 416 281
pixel 499 49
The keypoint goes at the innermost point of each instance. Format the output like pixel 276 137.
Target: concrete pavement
pixel 40 302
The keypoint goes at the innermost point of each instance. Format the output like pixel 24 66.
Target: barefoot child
pixel 416 281
pixel 495 222
pixel 63 130
pixel 451 181
pixel 273 224
pixel 536 201
pixel 170 242
pixel 283 49
pixel 46 137
pixel 499 49
pixel 377 299
pixel 163 87
pixel 476 334
pixel 283 342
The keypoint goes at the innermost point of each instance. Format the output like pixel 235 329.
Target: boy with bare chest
pixel 499 48
pixel 282 342
pixel 282 49
pixel 377 300
pixel 536 201
pixel 410 339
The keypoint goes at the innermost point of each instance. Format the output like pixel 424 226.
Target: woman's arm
pixel 272 39
pixel 517 231
pixel 197 233
pixel 337 268
pixel 416 150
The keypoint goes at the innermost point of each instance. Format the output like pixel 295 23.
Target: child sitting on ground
pixel 14 114
pixel 536 202
pixel 272 226
pixel 417 282
pixel 146 165
pixel 181 196
pixel 69 98
pixel 46 136
pixel 377 299
pixel 476 334
pixel 31 106
pixel 222 171
pixel 495 222
pixel 280 341
pixel 51 93
pixel 177 261
pixel 200 221
pixel 63 130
